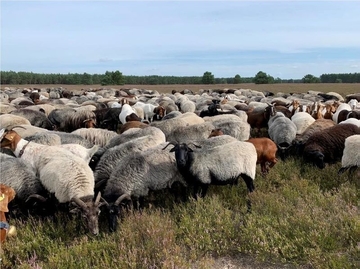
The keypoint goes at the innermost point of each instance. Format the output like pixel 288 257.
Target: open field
pixel 341 88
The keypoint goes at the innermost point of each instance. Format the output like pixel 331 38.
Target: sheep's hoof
pixel 12 231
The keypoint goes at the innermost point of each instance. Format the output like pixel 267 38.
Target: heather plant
pixel 300 216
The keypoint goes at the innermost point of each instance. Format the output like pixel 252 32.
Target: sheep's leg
pixel 249 182
pixel 264 170
pixel 273 163
pixel 200 190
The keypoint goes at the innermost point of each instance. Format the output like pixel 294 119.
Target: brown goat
pixel 7 194
pixel 266 153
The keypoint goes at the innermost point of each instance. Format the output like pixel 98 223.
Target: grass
pixel 301 216
pixel 342 88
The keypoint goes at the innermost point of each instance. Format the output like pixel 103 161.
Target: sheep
pixel 67 176
pixel 110 118
pixel 317 126
pixel 96 136
pixel 114 155
pixel 133 178
pixel 282 131
pixel 232 125
pixel 7 195
pixel 258 117
pixel 45 138
pixel 328 146
pixel 216 132
pixel 351 121
pixel 185 105
pixel 36 118
pixel 18 174
pixel 8 121
pixel 302 120
pixel 266 152
pixel 219 161
pixel 351 154
pixel 191 133
pixel 171 115
pixel 69 119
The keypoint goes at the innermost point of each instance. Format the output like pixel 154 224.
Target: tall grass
pixel 300 215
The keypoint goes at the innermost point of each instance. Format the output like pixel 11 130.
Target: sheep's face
pixel 316 158
pixel 90 214
pixel 181 154
pixel 114 214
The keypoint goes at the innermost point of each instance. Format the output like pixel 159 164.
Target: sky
pixel 286 39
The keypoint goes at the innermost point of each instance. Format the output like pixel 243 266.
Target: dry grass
pixel 341 88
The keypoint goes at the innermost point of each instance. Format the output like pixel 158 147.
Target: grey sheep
pixel 153 169
pixel 282 131
pixel 96 136
pixel 36 118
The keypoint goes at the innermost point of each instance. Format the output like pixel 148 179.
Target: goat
pixel 7 194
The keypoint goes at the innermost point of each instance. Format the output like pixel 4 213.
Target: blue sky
pixel 286 39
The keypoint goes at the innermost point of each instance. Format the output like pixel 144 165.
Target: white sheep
pixel 61 172
pixel 95 135
pixel 351 154
pixel 302 120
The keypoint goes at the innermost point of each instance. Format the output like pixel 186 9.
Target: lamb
pixel 282 131
pixel 67 176
pixel 18 174
pixel 133 178
pixel 96 136
pixel 351 154
pixel 220 160
pixel 328 146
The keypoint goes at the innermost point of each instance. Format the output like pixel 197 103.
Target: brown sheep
pixel 132 124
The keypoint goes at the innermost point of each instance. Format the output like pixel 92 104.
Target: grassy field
pixel 301 217
pixel 342 88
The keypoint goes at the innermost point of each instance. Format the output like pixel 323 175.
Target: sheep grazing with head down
pixel 351 155
pixel 220 160
pixel 266 153
pixel 328 145
pixel 61 172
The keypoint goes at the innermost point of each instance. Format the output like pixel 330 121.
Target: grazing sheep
pixel 340 108
pixel 67 176
pixel 36 118
pixel 220 164
pixel 327 146
pixel 189 133
pixel 351 155
pixel 133 178
pixel 96 136
pixel 18 174
pixel 185 105
pixel 282 131
pixel 46 138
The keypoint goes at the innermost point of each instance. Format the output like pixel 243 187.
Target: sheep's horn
pixel 103 201
pixel 196 146
pixel 121 198
pixel 100 183
pixel 37 196
pixel 79 202
pixel 170 143
pixel 97 200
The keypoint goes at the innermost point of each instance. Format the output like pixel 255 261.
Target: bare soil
pixel 341 88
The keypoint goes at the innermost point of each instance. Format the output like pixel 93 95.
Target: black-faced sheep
pixel 220 160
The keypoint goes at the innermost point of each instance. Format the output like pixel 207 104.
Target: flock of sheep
pixel 108 147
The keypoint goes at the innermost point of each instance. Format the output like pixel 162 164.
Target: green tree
pixel 261 78
pixel 107 79
pixel 310 79
pixel 237 79
pixel 338 80
pixel 208 78
pixel 117 78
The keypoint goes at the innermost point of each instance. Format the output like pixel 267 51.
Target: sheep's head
pixel 216 132
pixel 114 210
pixel 90 211
pixel 181 152
pixel 316 158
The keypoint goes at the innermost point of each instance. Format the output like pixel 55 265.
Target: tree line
pixel 117 78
